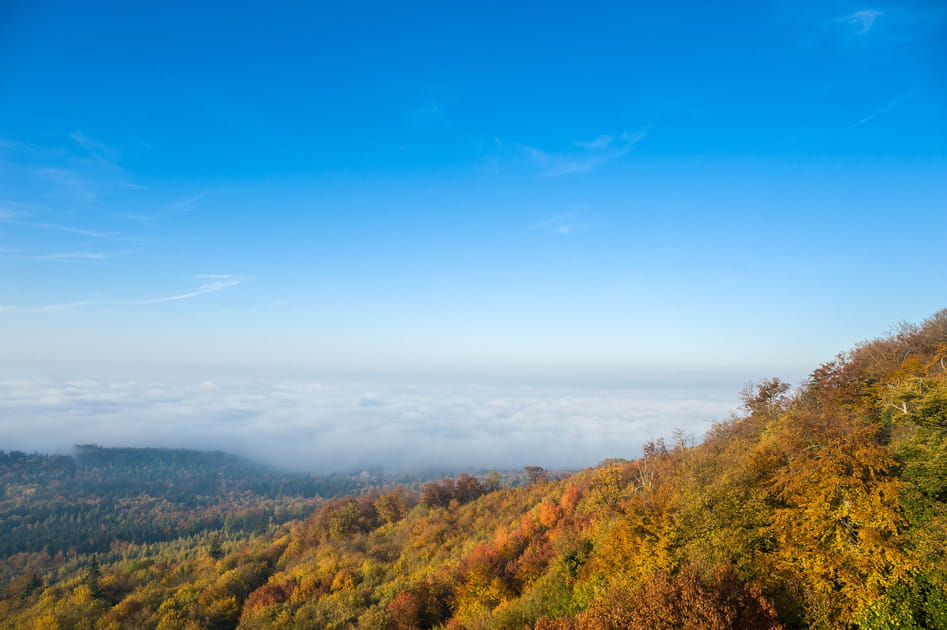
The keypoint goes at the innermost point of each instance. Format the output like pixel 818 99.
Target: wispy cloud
pixel 144 219
pixel 12 209
pixel 431 109
pixel 69 183
pixel 181 205
pixel 184 205
pixel 560 224
pixel 59 308
pixel 602 142
pixel 219 283
pixel 17 150
pixel 7 216
pixel 901 99
pixel 78 256
pixel 112 236
pixel 861 21
pixel 587 156
pixel 94 148
pixel 81 169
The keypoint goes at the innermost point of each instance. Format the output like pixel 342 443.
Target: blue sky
pixel 609 192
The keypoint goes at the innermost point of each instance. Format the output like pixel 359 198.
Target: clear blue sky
pixel 524 190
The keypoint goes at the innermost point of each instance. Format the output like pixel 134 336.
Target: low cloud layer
pixel 322 426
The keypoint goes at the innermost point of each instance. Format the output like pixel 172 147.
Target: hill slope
pixel 817 508
pixel 98 497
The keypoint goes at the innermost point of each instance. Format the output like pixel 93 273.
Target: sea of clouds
pixel 328 426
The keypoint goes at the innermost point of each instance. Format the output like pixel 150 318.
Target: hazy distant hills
pixel 96 496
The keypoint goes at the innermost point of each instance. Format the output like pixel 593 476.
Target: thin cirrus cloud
pixel 78 256
pixel 587 156
pixel 861 21
pixel 71 183
pixel 214 283
pixel 894 103
pixel 94 148
pixel 602 142
pixel 554 225
pixel 10 210
pixel 110 236
pixel 82 170
pixel 180 206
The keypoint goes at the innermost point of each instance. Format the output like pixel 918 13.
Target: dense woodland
pixel 93 500
pixel 819 507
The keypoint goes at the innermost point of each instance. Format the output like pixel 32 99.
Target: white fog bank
pixel 325 426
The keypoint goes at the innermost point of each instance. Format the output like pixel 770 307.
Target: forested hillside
pixel 96 499
pixel 820 507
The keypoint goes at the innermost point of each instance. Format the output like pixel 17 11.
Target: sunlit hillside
pixel 822 507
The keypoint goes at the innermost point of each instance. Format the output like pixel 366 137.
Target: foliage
pixel 822 507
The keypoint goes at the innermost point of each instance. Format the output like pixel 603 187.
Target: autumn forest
pixel 820 506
